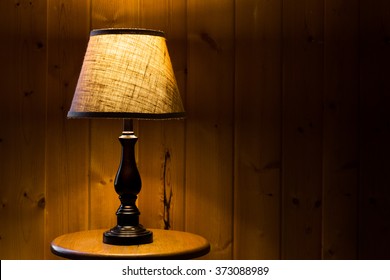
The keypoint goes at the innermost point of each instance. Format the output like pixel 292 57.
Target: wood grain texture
pixel 209 137
pixel 67 151
pixel 105 159
pixel 22 129
pixel 284 152
pixel 340 134
pixel 167 244
pixel 162 143
pixel 257 130
pixel 116 13
pixel 374 204
pixel 303 25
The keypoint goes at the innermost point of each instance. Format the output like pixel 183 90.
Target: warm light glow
pixel 127 73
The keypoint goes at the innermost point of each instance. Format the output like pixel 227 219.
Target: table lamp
pixel 127 74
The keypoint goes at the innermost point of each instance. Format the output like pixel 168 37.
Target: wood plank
pixel 340 137
pixel 115 14
pixel 67 152
pixel 105 159
pixel 22 129
pixel 302 129
pixel 374 204
pixel 209 137
pixel 162 143
pixel 258 130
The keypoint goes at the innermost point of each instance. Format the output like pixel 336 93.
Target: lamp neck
pixel 128 125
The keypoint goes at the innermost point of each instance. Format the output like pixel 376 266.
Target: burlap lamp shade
pixel 127 73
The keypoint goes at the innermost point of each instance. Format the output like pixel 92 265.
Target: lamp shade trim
pixel 138 31
pixel 125 115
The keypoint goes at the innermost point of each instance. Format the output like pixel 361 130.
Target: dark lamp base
pixel 128 235
pixel 127 185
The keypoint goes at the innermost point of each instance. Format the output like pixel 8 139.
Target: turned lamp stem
pixel 127 184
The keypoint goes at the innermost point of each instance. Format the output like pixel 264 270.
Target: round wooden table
pixel 167 244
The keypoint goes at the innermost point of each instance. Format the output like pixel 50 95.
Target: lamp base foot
pixel 128 235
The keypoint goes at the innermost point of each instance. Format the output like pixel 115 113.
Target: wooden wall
pixel 284 153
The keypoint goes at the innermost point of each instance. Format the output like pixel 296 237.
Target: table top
pixel 167 244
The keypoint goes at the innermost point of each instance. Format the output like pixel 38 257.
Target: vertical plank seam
pixel 359 133
pixel 89 216
pixel 282 106
pixel 45 235
pixel 234 140
pixel 324 27
pixel 185 122
pixel 281 129
pixel 322 129
pixel 234 254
